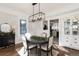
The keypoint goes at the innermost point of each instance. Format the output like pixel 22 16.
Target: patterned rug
pixel 21 52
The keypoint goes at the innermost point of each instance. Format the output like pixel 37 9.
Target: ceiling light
pixel 36 16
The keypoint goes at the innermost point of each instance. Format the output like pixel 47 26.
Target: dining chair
pixel 29 44
pixel 44 34
pixel 24 43
pixel 48 47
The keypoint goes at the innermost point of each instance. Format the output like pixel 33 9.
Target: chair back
pixel 44 34
pixel 24 41
pixel 50 42
pixel 28 36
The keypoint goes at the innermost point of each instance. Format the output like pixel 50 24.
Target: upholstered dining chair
pixel 24 43
pixel 29 45
pixel 48 47
pixel 44 34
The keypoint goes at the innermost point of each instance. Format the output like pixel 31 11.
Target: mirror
pixel 6 28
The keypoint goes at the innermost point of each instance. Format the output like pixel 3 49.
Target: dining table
pixel 38 43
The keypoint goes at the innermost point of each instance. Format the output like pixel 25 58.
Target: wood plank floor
pixel 11 51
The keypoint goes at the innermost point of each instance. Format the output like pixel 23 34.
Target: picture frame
pixel 45 25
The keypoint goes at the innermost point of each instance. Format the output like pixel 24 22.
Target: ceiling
pixel 48 8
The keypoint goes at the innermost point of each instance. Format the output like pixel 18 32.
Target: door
pixel 54 31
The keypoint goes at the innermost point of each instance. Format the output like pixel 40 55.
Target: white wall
pixel 36 28
pixel 13 18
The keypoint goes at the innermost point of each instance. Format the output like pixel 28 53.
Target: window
pixel 23 29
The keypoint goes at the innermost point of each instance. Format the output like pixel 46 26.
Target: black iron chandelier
pixel 36 16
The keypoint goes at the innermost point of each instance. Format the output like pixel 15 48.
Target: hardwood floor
pixel 73 52
pixel 11 51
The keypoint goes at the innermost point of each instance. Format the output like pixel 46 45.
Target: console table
pixel 7 39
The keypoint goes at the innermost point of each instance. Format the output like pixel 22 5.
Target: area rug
pixel 21 52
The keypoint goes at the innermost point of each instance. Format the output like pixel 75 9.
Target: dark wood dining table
pixel 38 42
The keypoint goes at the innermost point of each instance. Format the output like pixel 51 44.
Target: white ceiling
pixel 48 8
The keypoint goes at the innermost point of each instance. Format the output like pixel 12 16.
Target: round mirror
pixel 6 28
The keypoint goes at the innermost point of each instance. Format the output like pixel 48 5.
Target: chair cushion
pixel 44 47
pixel 32 46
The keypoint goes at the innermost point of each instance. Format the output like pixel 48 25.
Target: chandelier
pixel 36 16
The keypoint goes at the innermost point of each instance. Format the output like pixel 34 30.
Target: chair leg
pixel 40 50
pixel 28 52
pixel 36 50
pixel 51 52
pixel 24 50
pixel 47 53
